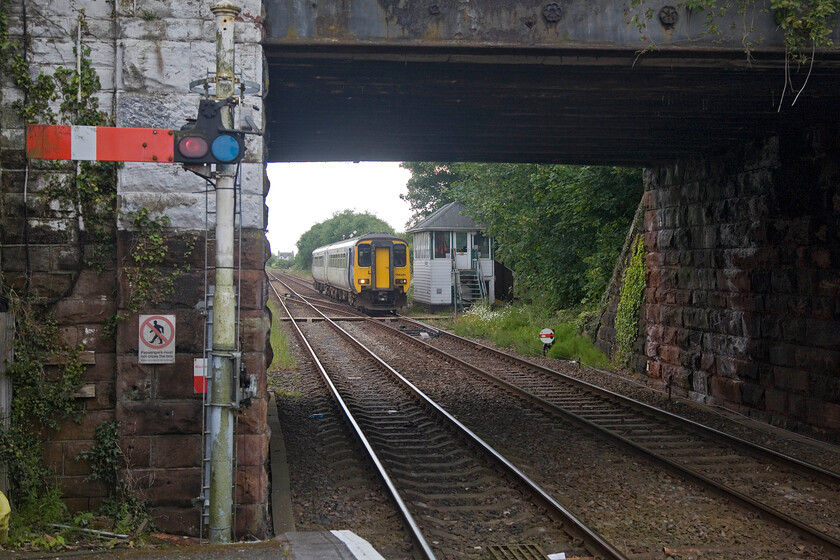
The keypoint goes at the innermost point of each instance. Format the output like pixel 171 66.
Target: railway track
pixel 748 533
pixel 795 495
pixel 294 297
pixel 458 497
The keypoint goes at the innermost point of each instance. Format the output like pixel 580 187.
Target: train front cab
pixel 382 274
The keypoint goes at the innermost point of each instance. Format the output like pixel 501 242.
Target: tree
pixel 429 187
pixel 343 225
pixel 276 261
pixel 560 228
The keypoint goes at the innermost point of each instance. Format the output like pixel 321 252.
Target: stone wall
pixel 145 56
pixel 743 279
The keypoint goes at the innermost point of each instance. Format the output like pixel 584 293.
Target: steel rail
pixel 594 541
pixel 409 519
pixel 315 301
pixel 777 457
pixel 780 518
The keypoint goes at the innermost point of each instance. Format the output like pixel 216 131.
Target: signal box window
pixel 364 255
pixel 441 244
pixel 483 245
pixel 399 255
pixel 461 242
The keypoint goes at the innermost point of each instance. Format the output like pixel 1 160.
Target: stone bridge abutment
pixel 742 298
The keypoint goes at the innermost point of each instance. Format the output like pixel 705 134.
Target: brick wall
pixel 743 279
pixel 145 57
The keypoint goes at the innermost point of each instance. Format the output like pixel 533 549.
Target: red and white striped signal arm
pixel 99 143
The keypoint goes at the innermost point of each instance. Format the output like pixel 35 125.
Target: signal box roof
pixel 451 217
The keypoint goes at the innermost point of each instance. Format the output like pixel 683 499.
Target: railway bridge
pixel 739 218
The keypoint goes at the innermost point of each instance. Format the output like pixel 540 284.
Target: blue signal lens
pixel 193 146
pixel 225 148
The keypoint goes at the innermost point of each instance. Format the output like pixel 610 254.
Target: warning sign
pixel 157 339
pixel 547 336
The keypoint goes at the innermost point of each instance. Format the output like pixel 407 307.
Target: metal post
pixel 224 300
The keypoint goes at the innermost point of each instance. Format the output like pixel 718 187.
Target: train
pixel 371 272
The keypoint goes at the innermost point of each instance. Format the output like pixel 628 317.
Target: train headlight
pixel 363 281
pixel 399 281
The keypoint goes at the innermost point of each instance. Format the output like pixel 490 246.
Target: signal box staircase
pixel 469 288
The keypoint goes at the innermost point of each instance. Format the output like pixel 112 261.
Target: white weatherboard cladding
pixel 441 282
pixel 421 281
pixel 432 280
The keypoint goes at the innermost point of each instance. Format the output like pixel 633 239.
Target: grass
pixel 517 328
pixel 283 358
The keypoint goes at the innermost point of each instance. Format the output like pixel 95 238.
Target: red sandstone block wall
pixel 742 294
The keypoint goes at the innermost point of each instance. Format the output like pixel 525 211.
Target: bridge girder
pixel 426 81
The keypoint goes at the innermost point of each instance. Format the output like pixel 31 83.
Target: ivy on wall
pixel 43 394
pixel 807 24
pixel 84 194
pixel 147 281
pixel 632 296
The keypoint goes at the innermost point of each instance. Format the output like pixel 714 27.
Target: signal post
pixel 224 299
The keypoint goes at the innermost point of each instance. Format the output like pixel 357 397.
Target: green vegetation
pixel 274 261
pixel 630 304
pixel 343 225
pixel 43 394
pixel 150 284
pixel 283 358
pixel 559 228
pixel 429 187
pixel 517 328
pixel 807 24
pixel 127 510
pixel 46 373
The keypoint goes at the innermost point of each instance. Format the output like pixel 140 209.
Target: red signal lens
pixel 193 147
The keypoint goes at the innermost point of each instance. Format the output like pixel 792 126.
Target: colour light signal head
pixel 208 141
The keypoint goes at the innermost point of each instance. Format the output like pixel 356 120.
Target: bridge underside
pixel 352 103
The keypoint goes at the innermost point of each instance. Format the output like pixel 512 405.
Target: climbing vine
pixel 106 458
pixel 632 297
pixel 46 373
pixel 148 283
pixel 807 24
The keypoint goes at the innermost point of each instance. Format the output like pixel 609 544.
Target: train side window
pixel 399 255
pixel 364 255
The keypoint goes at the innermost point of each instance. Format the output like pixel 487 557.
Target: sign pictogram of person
pixel 156 344
pixel 159 328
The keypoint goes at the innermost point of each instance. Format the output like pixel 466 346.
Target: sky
pixel 304 194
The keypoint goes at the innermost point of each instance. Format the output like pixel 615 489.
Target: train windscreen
pixel 399 255
pixel 364 255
